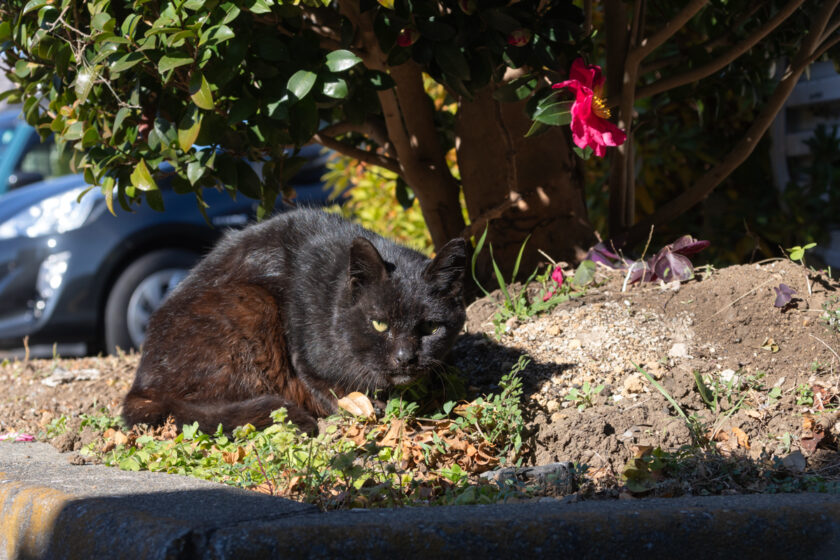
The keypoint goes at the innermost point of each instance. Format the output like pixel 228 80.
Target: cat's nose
pixel 405 357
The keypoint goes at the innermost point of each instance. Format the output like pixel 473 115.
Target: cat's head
pixel 401 317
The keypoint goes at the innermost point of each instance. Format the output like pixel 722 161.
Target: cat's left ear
pixel 446 271
pixel 366 264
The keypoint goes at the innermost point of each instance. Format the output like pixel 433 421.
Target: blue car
pixel 75 276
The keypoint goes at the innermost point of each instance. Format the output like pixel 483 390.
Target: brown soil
pixel 722 325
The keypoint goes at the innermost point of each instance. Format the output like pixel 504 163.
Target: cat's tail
pixel 145 409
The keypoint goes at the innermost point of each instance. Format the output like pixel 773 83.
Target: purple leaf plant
pixel 669 264
pixel 784 294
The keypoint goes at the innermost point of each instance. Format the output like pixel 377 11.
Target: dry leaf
pixel 742 437
pixel 357 404
pixel 769 344
pixel 233 457
pixel 394 434
pixel 356 434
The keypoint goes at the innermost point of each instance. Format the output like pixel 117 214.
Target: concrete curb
pixel 51 509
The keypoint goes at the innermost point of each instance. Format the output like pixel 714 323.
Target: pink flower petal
pixel 588 129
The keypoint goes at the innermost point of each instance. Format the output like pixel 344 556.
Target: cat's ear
pixel 366 264
pixel 446 271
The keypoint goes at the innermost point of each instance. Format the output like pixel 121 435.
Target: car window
pixel 7 134
pixel 47 159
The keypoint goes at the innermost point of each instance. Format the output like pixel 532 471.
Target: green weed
pixel 582 399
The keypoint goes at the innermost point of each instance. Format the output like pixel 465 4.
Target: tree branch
pixel 364 156
pixel 722 61
pixel 372 128
pixel 668 30
pixel 709 45
pixel 707 183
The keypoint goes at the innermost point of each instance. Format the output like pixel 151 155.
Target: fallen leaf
pixel 742 438
pixel 356 434
pixel 394 434
pixel 357 404
pixel 233 457
pixel 770 345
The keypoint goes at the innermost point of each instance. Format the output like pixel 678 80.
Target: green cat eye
pixel 380 326
pixel 429 327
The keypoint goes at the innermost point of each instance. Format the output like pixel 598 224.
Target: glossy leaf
pixel 301 83
pixel 188 130
pixel 142 179
pixel 167 63
pixel 200 92
pixel 341 60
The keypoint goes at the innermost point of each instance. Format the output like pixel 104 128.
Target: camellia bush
pixel 210 87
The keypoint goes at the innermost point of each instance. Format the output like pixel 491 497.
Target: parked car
pixel 24 158
pixel 73 274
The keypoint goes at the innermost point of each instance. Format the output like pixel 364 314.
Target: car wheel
pixel 138 292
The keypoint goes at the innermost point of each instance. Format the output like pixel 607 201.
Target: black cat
pixel 294 312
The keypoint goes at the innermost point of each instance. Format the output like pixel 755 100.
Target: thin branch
pixel 722 61
pixel 668 30
pixel 707 183
pixel 832 27
pixel 823 49
pixel 372 128
pixel 587 17
pixel 362 155
pixel 478 224
pixel 709 45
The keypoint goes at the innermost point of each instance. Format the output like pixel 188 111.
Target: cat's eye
pixel 379 326
pixel 429 327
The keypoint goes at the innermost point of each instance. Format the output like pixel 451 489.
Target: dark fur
pixel 279 315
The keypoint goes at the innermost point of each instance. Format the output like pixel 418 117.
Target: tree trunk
pixel 520 186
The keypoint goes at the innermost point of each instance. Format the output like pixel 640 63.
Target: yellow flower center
pixel 599 107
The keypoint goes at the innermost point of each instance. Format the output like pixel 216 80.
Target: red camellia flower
pixel 557 276
pixel 590 126
pixel 407 37
pixel 519 37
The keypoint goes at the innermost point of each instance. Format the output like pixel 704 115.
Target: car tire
pixel 138 291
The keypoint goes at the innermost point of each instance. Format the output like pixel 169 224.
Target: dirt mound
pixel 771 375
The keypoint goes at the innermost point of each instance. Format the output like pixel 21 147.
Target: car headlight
pixel 56 214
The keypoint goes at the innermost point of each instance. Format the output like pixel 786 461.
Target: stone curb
pixel 50 509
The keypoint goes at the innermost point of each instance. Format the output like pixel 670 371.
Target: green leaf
pixel 341 60
pixel 405 196
pixel 74 131
pixel 478 246
pixel 5 31
pixel 703 389
pixel 33 5
pixel 188 130
pixel 200 92
pixel 118 120
pixel 84 82
pixel 515 90
pixel 258 6
pixel 301 83
pixel 129 24
pixel 336 88
pixel 451 60
pixel 536 129
pixel 142 179
pixel 167 63
pixel 125 62
pixel 195 171
pixel 584 274
pixel 248 182
pixel 555 113
pixel 107 189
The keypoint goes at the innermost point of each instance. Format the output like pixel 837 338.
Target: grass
pixel 708 466
pixel 400 459
pixel 515 301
